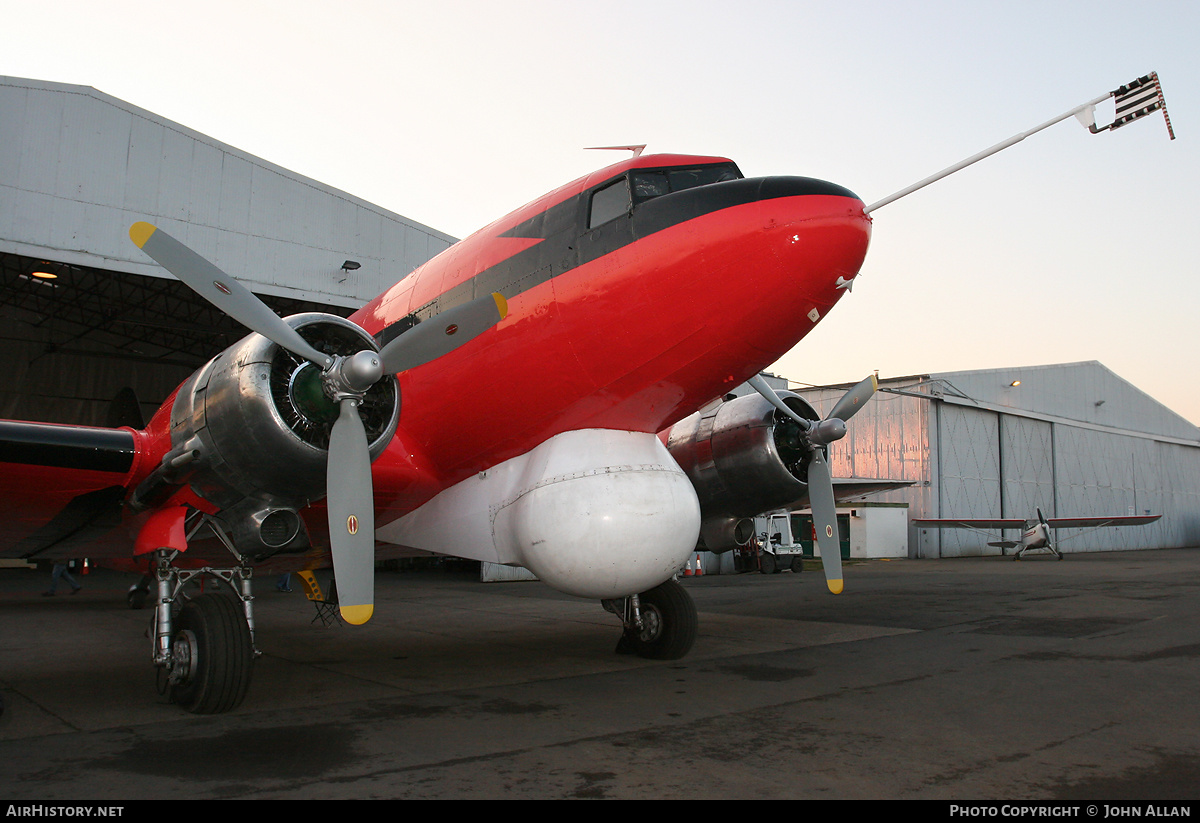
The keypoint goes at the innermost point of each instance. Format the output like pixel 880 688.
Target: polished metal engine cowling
pixel 256 418
pixel 744 458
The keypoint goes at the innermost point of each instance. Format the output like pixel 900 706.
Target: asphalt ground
pixel 970 678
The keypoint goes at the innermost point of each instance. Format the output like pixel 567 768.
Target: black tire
pixel 136 598
pixel 216 629
pixel 670 622
pixel 797 564
pixel 766 563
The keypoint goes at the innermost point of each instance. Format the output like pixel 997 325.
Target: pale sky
pixel 1066 247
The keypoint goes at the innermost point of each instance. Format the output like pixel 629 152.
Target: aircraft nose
pixel 774 188
pixel 819 232
pixel 792 254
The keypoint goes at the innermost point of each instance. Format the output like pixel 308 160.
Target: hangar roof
pixel 77 168
pixel 1086 393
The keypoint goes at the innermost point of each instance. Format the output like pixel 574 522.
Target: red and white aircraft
pixel 1035 534
pixel 540 394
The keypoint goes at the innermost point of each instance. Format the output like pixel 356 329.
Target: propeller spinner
pixel 349 493
pixel 820 481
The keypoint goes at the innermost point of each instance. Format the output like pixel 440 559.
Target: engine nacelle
pixel 725 533
pixel 250 431
pixel 743 457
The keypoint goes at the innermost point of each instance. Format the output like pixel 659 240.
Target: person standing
pixel 60 573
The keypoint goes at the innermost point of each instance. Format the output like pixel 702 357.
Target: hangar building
pixel 105 340
pixel 77 168
pixel 1074 439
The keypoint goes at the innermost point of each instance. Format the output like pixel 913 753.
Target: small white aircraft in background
pixel 1035 534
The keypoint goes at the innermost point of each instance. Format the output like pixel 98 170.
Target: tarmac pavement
pixel 968 678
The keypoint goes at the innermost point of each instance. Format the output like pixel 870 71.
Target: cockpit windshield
pixel 650 183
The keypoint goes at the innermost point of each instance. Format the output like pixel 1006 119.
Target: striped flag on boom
pixel 1135 100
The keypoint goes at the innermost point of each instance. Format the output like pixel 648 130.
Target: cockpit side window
pixel 610 202
pixel 647 184
pixel 655 183
pixel 690 178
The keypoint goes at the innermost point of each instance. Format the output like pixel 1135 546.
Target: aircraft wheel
pixel 670 623
pixel 213 655
pixel 766 563
pixel 797 564
pixel 136 598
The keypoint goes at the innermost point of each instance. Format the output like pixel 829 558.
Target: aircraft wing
pixel 846 489
pixel 62 487
pixel 1018 523
pixel 971 523
pixel 1098 522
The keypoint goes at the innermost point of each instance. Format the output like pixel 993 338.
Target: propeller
pixel 221 290
pixel 349 495
pixel 1049 539
pixel 820 433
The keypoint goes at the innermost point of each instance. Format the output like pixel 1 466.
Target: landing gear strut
pixel 1049 547
pixel 659 624
pixel 203 647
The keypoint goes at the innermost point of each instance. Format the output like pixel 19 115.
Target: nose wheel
pixel 659 624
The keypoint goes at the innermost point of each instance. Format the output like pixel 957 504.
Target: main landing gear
pixel 659 624
pixel 1049 547
pixel 203 646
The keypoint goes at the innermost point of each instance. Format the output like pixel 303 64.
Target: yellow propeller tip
pixel 140 232
pixel 357 615
pixel 501 304
pixel 835 586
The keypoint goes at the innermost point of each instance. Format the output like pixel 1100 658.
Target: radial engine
pixel 250 433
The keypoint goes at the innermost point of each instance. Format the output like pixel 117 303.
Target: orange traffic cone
pixel 699 567
pixel 687 570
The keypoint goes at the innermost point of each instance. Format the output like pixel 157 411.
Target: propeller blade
pixel 854 399
pixel 351 503
pixel 759 385
pixel 824 510
pixel 221 290
pixel 443 333
pixel 820 478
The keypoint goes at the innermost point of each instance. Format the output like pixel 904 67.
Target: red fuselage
pixel 636 294
pixel 630 324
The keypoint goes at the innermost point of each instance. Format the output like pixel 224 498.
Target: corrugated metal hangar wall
pixel 1073 439
pixel 77 168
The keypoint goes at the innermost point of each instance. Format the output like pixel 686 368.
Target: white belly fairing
pixel 595 513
